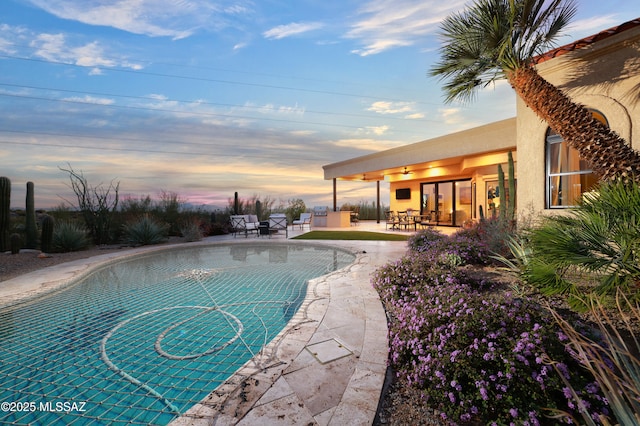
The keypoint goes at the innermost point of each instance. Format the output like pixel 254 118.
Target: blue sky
pixel 208 97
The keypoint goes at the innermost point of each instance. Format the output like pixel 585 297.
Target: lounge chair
pixel 244 223
pixel 278 222
pixel 305 219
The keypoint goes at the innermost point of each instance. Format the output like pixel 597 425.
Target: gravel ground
pixel 12 265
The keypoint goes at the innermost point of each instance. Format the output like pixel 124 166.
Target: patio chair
pixel 278 222
pixel 403 220
pixel 391 219
pixel 305 219
pixel 355 216
pixel 425 221
pixel 244 223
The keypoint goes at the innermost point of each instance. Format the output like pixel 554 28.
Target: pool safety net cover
pixel 142 341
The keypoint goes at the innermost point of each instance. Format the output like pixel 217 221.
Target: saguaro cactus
pixel 30 227
pixel 5 213
pixel 259 209
pixel 47 234
pixel 236 204
pixel 511 206
pixel 502 193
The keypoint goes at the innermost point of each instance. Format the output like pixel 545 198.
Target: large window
pixel 568 176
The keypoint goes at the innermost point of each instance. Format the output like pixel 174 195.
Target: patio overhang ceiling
pixel 456 154
pixel 450 167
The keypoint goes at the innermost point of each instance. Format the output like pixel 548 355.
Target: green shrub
pixel 145 231
pixel 69 236
pixel 599 240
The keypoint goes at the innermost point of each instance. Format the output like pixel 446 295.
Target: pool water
pixel 143 340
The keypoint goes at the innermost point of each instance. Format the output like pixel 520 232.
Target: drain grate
pixel 329 350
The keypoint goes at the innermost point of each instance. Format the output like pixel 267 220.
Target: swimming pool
pixel 143 340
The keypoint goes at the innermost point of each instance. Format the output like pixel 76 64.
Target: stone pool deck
pixel 327 367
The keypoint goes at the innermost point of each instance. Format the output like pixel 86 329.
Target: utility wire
pixel 198 102
pixel 234 154
pixel 205 79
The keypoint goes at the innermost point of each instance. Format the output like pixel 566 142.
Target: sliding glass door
pixel 447 203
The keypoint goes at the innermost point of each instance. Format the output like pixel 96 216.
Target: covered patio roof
pixel 451 155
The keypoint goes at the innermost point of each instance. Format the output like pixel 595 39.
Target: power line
pixel 153 151
pixel 206 114
pixel 228 70
pixel 209 80
pixel 149 98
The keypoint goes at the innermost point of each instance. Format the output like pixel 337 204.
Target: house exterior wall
pixel 480 170
pixel 604 76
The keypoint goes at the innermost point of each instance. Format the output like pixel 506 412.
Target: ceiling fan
pixel 406 172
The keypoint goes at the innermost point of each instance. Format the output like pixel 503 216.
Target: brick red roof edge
pixel 559 51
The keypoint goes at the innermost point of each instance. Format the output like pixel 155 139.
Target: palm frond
pixel 491 38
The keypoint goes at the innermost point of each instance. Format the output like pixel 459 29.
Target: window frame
pixel 551 137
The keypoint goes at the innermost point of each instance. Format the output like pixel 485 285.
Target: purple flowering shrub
pixel 425 239
pixel 466 246
pixel 476 354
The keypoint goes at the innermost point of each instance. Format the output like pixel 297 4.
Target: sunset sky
pixel 207 97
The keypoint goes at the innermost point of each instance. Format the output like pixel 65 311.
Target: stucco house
pixel 451 176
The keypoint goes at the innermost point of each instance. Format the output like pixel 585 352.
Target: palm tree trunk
pixel 610 156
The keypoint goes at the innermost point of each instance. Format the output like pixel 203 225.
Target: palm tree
pixel 497 39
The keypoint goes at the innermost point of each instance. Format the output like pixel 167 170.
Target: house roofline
pixel 583 42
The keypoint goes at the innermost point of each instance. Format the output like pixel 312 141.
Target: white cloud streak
pixel 56 48
pixel 177 19
pixel 293 29
pixel 388 24
pixel 388 107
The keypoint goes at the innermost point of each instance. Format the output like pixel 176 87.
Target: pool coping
pixel 287 383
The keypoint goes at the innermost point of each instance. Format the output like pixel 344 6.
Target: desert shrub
pixel 131 208
pixel 145 231
pixel 191 231
pixel 475 355
pixel 69 236
pixel 167 210
pixel 98 205
pixel 493 233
